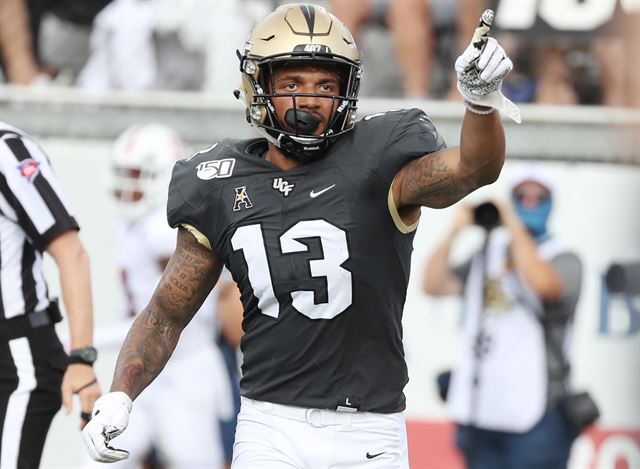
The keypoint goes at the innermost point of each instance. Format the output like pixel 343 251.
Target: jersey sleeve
pixel 30 194
pixel 186 205
pixel 413 135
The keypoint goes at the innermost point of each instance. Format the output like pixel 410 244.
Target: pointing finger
pixel 481 33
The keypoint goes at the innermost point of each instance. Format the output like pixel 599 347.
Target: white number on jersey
pixel 336 252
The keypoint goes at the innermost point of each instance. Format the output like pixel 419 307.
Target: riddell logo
pixel 317 147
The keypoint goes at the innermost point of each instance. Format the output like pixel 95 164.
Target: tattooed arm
pixel 190 275
pixel 441 179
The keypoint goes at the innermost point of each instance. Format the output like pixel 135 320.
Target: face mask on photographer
pixel 532 203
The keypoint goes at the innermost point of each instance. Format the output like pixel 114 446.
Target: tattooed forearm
pixel 190 274
pixel 432 182
pixel 440 179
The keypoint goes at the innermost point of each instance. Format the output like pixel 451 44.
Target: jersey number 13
pixel 250 240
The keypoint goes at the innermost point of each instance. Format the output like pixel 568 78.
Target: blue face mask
pixel 535 219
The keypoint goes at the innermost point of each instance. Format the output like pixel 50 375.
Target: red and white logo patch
pixel 29 169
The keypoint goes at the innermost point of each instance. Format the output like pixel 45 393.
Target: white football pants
pixel 270 436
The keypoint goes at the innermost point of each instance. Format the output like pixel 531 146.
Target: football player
pixel 195 381
pixel 315 221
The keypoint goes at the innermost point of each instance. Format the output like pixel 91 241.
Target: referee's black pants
pixel 31 370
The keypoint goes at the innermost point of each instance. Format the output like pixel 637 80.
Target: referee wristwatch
pixel 85 356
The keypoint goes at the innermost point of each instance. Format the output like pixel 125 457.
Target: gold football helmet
pixel 306 33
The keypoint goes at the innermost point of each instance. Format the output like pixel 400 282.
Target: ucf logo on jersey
pixel 283 186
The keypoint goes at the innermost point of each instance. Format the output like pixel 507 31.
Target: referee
pixel 36 374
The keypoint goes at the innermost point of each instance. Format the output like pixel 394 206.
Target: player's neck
pixel 276 158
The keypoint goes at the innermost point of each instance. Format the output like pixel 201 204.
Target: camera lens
pixel 486 215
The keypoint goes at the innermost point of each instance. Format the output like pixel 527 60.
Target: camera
pixel 486 215
pixel 624 278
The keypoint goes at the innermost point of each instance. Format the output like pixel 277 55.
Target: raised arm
pixel 442 178
pixel 190 275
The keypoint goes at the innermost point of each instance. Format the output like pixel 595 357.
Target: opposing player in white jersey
pixel 179 413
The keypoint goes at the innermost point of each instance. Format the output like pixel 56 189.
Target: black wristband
pixel 78 361
pixel 84 356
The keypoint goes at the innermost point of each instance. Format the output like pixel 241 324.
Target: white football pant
pixel 270 436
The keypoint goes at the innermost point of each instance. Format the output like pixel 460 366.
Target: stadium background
pixel 594 152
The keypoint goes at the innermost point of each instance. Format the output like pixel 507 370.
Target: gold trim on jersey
pixel 202 239
pixel 397 219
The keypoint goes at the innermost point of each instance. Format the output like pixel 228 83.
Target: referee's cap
pixel 533 172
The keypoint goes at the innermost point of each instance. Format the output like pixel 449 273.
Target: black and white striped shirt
pixel 33 212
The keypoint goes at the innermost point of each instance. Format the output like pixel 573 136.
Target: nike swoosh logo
pixel 314 194
pixel 371 456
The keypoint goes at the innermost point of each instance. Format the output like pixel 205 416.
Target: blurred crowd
pixel 564 57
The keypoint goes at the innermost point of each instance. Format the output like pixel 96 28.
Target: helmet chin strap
pixel 304 122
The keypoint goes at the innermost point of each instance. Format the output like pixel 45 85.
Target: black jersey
pixel 321 265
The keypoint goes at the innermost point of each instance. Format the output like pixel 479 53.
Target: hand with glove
pixel 480 70
pixel 109 419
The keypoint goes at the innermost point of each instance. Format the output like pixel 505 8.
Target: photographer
pixel 508 391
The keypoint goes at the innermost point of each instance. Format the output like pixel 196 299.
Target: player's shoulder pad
pixel 382 121
pixel 398 124
pixel 214 162
pixel 195 177
pixel 389 119
pixel 397 137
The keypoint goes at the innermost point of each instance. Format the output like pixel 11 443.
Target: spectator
pixel 568 60
pixel 427 36
pixel 519 300
pixel 409 24
pixel 19 63
pixel 40 38
pixel 155 44
pixel 122 53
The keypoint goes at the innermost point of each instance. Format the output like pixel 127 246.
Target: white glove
pixel 109 418
pixel 481 68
